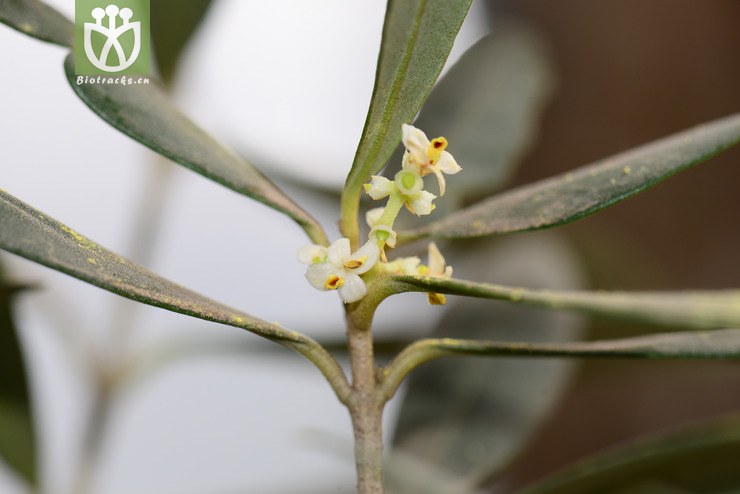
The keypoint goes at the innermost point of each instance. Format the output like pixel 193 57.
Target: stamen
pixel 355 263
pixel 435 148
pixel 333 282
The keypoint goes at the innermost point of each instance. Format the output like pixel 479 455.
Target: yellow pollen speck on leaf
pixel 238 319
pixel 91 260
pixel 81 241
pixel 355 263
pixel 333 282
pixel 627 170
pixel 435 148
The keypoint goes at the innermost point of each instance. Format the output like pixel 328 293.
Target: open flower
pixel 337 268
pixel 424 156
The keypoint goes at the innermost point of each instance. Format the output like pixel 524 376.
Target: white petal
pixel 422 204
pixel 379 187
pixel 353 289
pixel 416 143
pixel 436 260
pixel 311 254
pixel 390 241
pixel 339 252
pixel 447 163
pixel 368 254
pixel 318 273
pixel 373 216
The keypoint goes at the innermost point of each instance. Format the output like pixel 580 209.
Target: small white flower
pixel 424 156
pixel 389 237
pixel 379 187
pixel 410 185
pixel 340 268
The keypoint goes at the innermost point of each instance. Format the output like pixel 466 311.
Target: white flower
pixel 425 157
pixel 410 185
pixel 340 268
pixel 389 236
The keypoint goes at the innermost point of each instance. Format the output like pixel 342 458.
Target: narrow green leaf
pixel 173 24
pixel 145 113
pixel 31 234
pixel 417 38
pixel 719 344
pixel 572 196
pixel 17 434
pixel 37 19
pixel 462 421
pixel 687 310
pixel 700 458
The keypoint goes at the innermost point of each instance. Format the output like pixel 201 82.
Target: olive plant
pixel 362 266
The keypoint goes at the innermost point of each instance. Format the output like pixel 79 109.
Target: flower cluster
pixel 337 268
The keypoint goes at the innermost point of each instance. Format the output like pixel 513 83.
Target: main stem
pixel 365 408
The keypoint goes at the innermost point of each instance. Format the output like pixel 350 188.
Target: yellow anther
pixel 437 298
pixel 423 270
pixel 435 148
pixel 355 263
pixel 333 282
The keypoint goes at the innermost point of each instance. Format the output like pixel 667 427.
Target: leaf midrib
pixel 395 92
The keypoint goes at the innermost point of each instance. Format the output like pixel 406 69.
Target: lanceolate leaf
pixel 31 234
pixel 173 24
pixel 688 310
pixel 708 345
pixel 417 38
pixel 145 113
pixel 17 435
pixel 584 191
pixel 698 458
pixel 37 19
pixel 721 344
